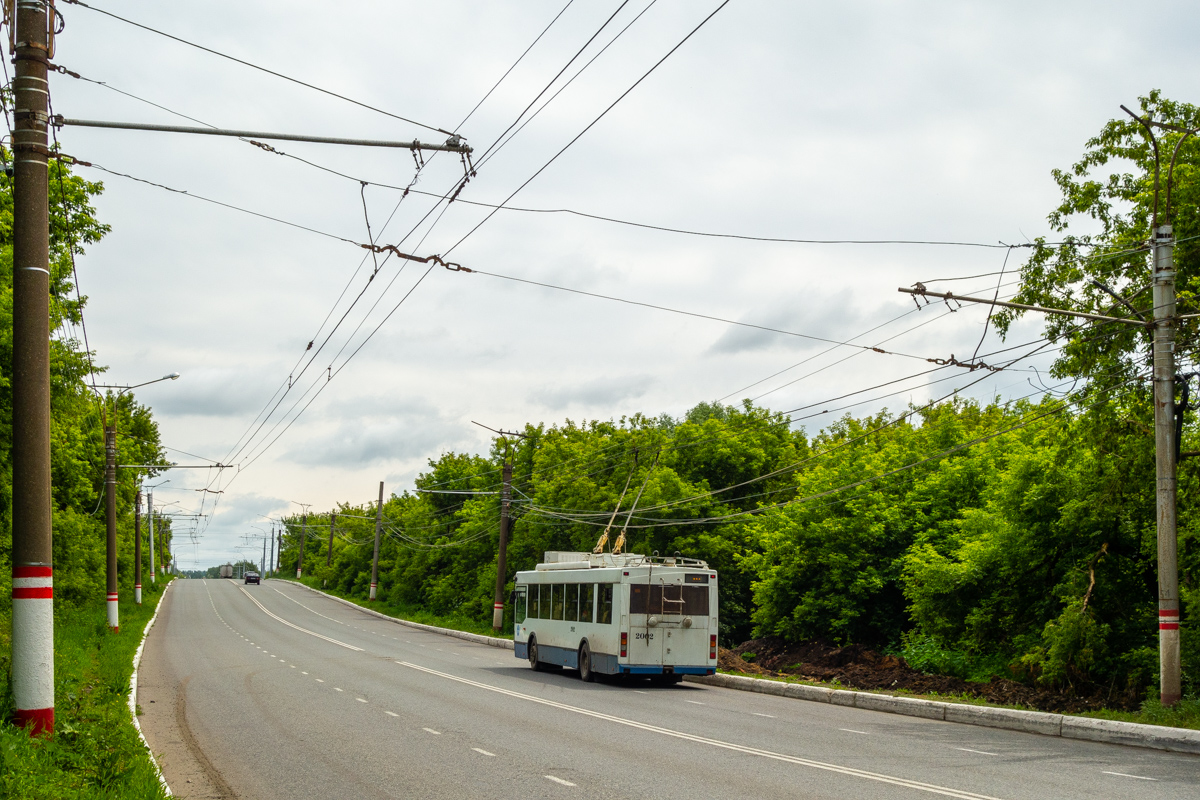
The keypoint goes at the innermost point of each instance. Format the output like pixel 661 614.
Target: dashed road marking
pixel 768 716
pixel 359 699
pixel 484 752
pixel 696 703
pixel 318 680
pixel 391 713
pixel 851 730
pixel 980 752
pixel 303 673
pixel 1127 775
pixel 336 689
pixel 558 780
pixel 431 730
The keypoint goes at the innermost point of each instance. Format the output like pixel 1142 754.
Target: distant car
pixel 251 577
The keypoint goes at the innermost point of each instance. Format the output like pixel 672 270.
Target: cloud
pixel 607 391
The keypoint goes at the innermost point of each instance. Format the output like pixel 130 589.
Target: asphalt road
pixel 273 691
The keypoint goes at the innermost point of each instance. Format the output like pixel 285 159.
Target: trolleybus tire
pixel 585 664
pixel 533 655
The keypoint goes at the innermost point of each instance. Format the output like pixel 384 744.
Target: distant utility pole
pixel 150 531
pixel 137 548
pixel 262 565
pixel 329 555
pixel 110 523
pixel 1162 245
pixel 378 528
pixel 502 554
pixel 303 537
pixel 279 549
pixel 32 568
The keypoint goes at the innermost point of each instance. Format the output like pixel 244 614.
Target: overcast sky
pixel 855 120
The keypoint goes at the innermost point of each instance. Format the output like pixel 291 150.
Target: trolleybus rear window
pixel 691 601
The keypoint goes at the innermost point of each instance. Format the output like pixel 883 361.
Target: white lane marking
pixel 696 702
pixel 336 689
pixel 391 713
pixel 293 666
pixel 851 730
pixel 303 673
pixel 319 680
pixel 768 716
pixel 636 691
pixel 754 751
pixel 558 780
pixel 359 699
pixel 1126 775
pixel 980 752
pixel 318 613
pixel 485 752
pixel 431 730
pixel 297 627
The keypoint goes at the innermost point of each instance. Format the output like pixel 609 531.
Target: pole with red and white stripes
pixel 137 548
pixel 110 518
pixel 32 571
pixel 378 526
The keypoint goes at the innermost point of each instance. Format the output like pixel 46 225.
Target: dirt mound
pixel 856 667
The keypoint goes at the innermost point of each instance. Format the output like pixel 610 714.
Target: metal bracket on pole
pixel 921 291
pixel 452 145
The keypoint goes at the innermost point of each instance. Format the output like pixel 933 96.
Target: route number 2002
pixel 649 636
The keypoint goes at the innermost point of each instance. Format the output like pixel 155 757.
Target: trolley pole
pixel 329 555
pixel 378 528
pixel 303 537
pixel 110 522
pixel 502 557
pixel 1164 463
pixel 137 548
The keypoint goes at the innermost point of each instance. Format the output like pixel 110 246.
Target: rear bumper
pixel 653 669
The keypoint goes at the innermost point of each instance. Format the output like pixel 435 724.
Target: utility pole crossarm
pixel 452 145
pixel 923 292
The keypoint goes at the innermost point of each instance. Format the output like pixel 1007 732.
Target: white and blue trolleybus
pixel 623 614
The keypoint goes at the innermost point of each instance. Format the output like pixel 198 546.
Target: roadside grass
pixel 95 751
pixel 413 614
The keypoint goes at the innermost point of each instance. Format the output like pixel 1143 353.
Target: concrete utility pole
pixel 502 557
pixel 271 562
pixel 32 567
pixel 137 548
pixel 303 537
pixel 262 568
pixel 110 523
pixel 279 549
pixel 329 555
pixel 378 528
pixel 150 532
pixel 1164 463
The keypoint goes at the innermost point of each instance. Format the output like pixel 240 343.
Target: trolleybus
pixel 623 614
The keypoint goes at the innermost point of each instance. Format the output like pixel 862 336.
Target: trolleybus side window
pixel 543 603
pixel 604 616
pixel 519 604
pixel 587 593
pixel 571 602
pixel 556 601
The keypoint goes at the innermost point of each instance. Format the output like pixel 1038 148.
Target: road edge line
pixel 137 661
pixel 1132 734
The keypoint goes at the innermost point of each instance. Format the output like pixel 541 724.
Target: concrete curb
pixel 491 641
pixel 137 660
pixel 1178 740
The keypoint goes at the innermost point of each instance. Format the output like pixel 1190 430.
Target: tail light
pixel 712 645
pixel 625 644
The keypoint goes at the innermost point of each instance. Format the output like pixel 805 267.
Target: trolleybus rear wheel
pixel 585 664
pixel 533 654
